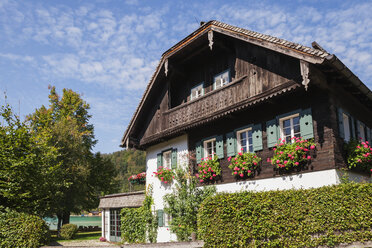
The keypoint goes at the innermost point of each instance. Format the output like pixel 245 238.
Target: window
pixel 346 126
pixel 362 133
pixel 290 127
pixel 197 91
pixel 167 219
pixel 244 140
pixel 167 159
pixel 210 147
pixel 221 79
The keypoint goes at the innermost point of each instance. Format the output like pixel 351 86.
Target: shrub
pixel 68 231
pixel 208 169
pixel 292 155
pixel 22 230
pixel 183 204
pixel 359 155
pixel 244 164
pixel 292 218
pixel 164 174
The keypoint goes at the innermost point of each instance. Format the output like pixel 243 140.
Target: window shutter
pixel 231 144
pixel 368 135
pixel 160 214
pixel 159 160
pixel 358 130
pixel 174 158
pixel 352 127
pixel 219 146
pixel 199 151
pixel 272 133
pixel 306 124
pixel 257 137
pixel 341 122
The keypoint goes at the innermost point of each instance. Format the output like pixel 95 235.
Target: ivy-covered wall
pixel 290 218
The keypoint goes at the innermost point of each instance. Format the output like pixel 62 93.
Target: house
pixel 223 88
pixel 111 206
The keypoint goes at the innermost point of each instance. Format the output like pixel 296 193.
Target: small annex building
pixel 111 206
pixel 224 89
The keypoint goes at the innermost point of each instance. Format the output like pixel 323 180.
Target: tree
pixel 66 124
pixel 183 204
pixel 28 166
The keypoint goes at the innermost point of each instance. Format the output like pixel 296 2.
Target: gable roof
pixel 311 55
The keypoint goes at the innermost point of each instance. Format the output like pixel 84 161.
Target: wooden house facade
pixel 224 88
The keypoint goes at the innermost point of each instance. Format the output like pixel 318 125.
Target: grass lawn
pixel 79 236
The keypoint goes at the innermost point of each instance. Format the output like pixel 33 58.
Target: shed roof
pixel 122 200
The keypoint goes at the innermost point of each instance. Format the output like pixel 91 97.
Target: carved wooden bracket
pixel 166 67
pixel 210 38
pixel 305 73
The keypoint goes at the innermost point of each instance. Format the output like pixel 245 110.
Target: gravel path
pixel 82 243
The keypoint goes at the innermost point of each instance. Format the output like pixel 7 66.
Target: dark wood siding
pixel 323 121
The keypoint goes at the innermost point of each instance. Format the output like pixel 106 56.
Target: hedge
pixel 68 231
pixel 22 230
pixel 292 218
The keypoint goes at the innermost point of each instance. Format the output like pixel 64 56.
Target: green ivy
pixel 139 224
pixel 292 218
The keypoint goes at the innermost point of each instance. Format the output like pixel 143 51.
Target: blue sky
pixel 107 50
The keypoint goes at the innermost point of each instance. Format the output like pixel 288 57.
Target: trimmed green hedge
pixel 22 230
pixel 291 218
pixel 68 231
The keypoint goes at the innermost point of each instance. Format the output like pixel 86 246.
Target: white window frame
pixel 238 139
pixel 197 96
pixel 347 126
pixel 167 219
pixel 165 165
pixel 205 142
pixel 281 121
pixel 219 75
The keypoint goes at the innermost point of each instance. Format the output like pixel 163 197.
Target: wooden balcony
pixel 236 95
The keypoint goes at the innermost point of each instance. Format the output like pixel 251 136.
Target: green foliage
pixel 165 175
pixel 82 176
pixel 244 164
pixel 292 218
pixel 127 163
pixel 22 230
pixel 359 155
pixel 292 155
pixel 28 166
pixel 68 231
pixel 208 169
pixel 184 202
pixel 139 224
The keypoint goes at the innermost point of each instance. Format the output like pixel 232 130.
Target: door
pixel 115 224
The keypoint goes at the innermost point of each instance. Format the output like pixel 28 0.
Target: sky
pixel 107 50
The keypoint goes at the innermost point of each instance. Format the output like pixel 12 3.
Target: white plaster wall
pixel 304 180
pixel 161 189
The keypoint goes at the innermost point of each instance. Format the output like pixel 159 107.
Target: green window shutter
pixel 159 160
pixel 257 137
pixel 368 135
pixel 174 158
pixel 272 133
pixel 231 144
pixel 358 130
pixel 219 146
pixel 199 151
pixel 306 124
pixel 160 214
pixel 352 127
pixel 341 122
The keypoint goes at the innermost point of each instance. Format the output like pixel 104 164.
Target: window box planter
pixel 244 165
pixel 359 156
pixel 138 179
pixel 165 175
pixel 209 170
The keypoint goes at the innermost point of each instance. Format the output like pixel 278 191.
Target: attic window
pixel 197 91
pixel 221 79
